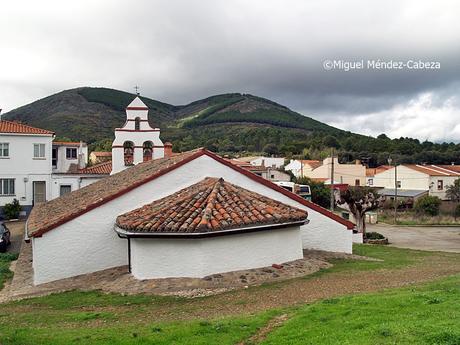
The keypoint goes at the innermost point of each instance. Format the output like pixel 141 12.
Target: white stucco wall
pixel 358 237
pixel 276 162
pixel 88 243
pixel 162 258
pixel 343 173
pixel 63 163
pixel 410 178
pixel 23 167
pixel 413 179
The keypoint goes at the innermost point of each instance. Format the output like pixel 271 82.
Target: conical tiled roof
pixel 211 205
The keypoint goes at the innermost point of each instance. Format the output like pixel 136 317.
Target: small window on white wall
pixel 71 153
pixel 65 189
pixel 7 186
pixel 371 182
pixel 39 150
pixel 4 150
pixel 440 184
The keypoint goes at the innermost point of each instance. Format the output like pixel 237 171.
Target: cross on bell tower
pixel 137 90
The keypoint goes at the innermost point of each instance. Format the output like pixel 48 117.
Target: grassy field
pixel 5 273
pixel 427 314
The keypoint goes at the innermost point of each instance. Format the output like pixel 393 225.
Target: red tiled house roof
pixel 209 206
pixel 47 216
pixel 102 154
pixel 104 168
pixel 373 171
pixel 19 128
pixel 68 143
pixel 434 170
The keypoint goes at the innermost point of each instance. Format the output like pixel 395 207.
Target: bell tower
pixel 136 141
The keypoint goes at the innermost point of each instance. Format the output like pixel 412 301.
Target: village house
pixel 300 167
pixel 208 196
pixel 269 173
pixel 371 172
pixel 34 168
pixel 272 162
pixel 25 164
pixel 344 174
pixel 434 179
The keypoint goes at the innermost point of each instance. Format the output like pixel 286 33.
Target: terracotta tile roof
pixel 373 171
pixel 238 162
pixel 434 170
pixel 104 168
pixel 255 168
pixel 102 154
pixel 16 127
pixel 455 168
pixel 68 143
pixel 209 206
pixel 48 215
pixel 312 163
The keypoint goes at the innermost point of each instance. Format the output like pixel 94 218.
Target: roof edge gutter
pixel 122 233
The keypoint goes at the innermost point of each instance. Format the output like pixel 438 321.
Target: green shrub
pixel 373 236
pixel 428 205
pixel 11 210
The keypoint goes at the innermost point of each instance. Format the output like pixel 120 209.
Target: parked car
pixel 4 237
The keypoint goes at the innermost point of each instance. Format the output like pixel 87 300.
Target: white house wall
pixel 88 243
pixel 410 179
pixel 343 173
pixel 447 181
pixel 24 168
pixel 268 161
pixel 63 163
pixel 162 258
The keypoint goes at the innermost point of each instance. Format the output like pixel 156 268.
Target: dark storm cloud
pixel 179 51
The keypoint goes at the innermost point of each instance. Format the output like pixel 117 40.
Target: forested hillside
pixel 230 124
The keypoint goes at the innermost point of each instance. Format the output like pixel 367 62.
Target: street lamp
pixel 390 160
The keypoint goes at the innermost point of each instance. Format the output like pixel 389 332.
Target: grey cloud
pixel 180 51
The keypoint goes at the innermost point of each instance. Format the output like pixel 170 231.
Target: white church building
pixel 157 213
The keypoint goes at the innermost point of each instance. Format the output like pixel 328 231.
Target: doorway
pixel 39 191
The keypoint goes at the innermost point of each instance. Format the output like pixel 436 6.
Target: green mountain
pixel 227 123
pixel 91 114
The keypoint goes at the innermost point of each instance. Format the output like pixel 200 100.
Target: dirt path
pixel 262 333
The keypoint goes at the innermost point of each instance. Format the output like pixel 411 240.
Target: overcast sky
pixel 181 51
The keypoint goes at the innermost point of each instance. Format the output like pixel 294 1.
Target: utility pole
pixel 396 189
pixel 332 180
pixel 396 194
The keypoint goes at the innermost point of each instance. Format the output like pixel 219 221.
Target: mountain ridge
pixel 232 123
